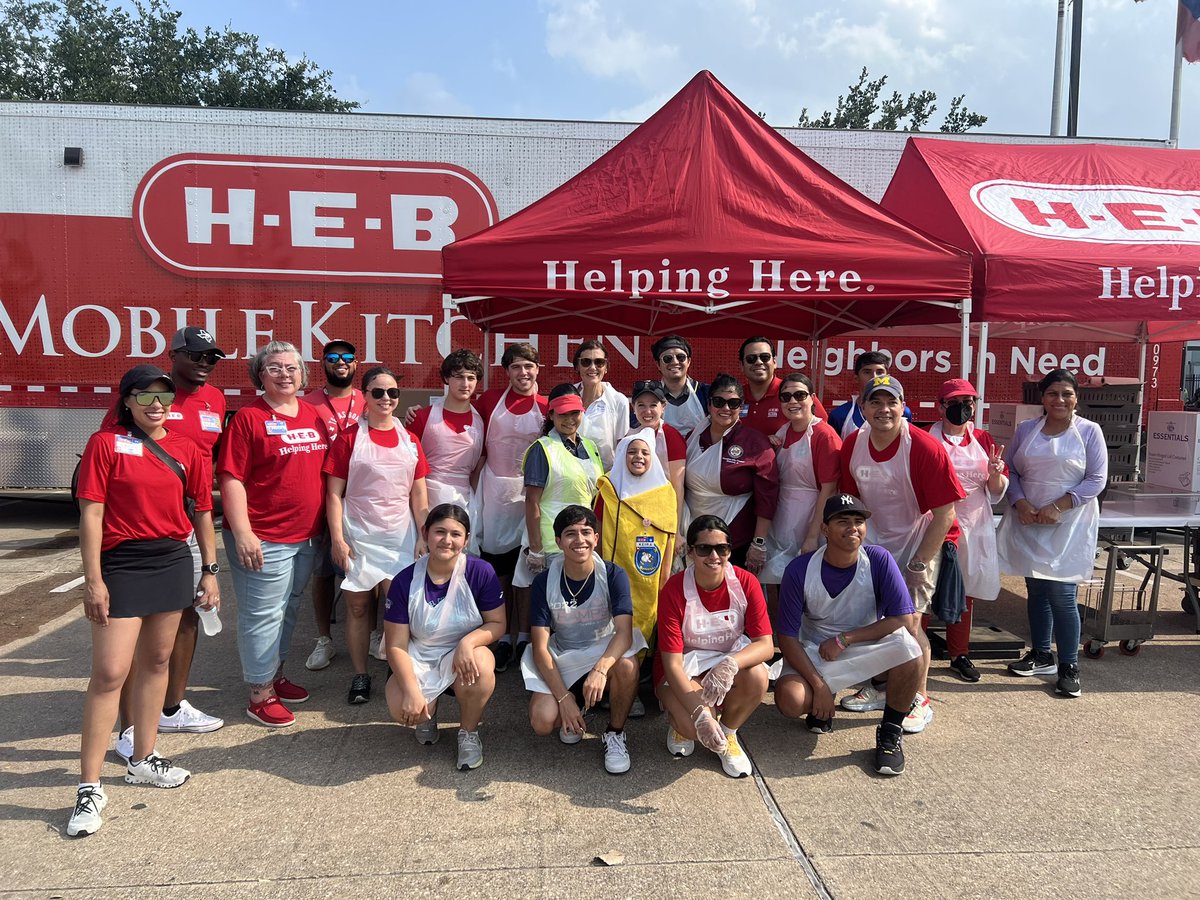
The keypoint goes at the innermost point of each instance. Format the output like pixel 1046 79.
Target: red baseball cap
pixel 957 387
pixel 567 403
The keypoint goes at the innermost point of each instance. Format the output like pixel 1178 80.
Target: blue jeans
pixel 268 603
pixel 1053 612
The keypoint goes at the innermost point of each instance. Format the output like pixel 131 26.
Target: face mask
pixel 960 413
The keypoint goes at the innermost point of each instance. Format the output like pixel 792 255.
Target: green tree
pixel 861 104
pixel 88 50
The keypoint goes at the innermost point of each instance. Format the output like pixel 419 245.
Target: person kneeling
pixel 441 614
pixel 582 640
pixel 714 639
pixel 845 616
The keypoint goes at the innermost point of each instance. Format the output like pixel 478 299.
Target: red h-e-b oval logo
pixel 216 216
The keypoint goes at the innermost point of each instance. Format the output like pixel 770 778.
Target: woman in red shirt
pixel 274 499
pixel 135 484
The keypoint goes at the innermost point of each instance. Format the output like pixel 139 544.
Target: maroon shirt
pixel 747 467
pixel 764 415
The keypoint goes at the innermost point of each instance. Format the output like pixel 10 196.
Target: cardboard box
pixel 1003 418
pixel 1171 457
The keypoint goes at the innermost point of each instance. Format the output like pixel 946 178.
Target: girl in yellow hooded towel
pixel 638 522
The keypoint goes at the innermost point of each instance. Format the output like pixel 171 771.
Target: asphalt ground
pixel 1010 792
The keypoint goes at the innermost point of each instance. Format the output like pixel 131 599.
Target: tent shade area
pixel 705 221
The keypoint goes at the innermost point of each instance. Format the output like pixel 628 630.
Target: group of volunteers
pixel 697 531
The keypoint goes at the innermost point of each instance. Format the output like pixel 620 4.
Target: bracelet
pixel 563 697
pixel 837 639
pixel 601 674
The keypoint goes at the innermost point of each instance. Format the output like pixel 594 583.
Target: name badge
pixel 210 421
pixel 276 426
pixel 129 446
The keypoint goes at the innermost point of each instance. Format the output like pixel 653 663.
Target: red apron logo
pixel 1105 214
pixel 206 216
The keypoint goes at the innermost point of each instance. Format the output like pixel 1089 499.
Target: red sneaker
pixel 271 713
pixel 288 692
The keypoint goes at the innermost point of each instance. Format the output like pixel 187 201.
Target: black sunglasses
pixel 788 396
pixel 587 362
pixel 671 358
pixel 752 358
pixel 339 357
pixel 203 356
pixel 380 393
pixel 705 550
pixel 725 402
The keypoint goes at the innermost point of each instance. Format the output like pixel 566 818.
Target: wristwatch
pixel 760 543
pixel 915 565
pixel 212 568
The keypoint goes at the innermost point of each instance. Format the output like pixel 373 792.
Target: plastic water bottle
pixel 209 620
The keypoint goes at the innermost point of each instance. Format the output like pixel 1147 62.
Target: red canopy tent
pixel 705 221
pixel 1089 239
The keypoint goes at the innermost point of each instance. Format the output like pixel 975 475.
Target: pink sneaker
pixel 288 692
pixel 271 713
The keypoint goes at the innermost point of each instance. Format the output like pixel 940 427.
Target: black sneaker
pixel 360 689
pixel 503 651
pixel 818 726
pixel 519 652
pixel 889 750
pixel 964 668
pixel 1033 663
pixel 1068 680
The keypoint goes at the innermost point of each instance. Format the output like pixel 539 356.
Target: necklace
pixel 574 595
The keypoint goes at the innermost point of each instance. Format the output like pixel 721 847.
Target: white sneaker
pixel 470 750
pixel 322 654
pixel 867 699
pixel 616 753
pixel 427 732
pixel 677 744
pixel 124 747
pixel 920 714
pixel 188 718
pixel 157 771
pixel 376 646
pixel 569 737
pixel 638 710
pixel 734 760
pixel 89 803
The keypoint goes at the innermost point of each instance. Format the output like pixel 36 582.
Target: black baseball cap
pixel 195 340
pixel 844 503
pixel 649 387
pixel 141 377
pixel 338 343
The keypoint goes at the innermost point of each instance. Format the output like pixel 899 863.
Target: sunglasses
pixel 671 358
pixel 789 396
pixel 203 356
pixel 390 393
pixel 725 402
pixel 705 550
pixel 339 357
pixel 592 362
pixel 147 398
pixel 751 358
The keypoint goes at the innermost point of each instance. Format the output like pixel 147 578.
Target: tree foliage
pixel 861 107
pixel 87 50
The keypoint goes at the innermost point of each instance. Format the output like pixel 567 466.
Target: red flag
pixel 1187 30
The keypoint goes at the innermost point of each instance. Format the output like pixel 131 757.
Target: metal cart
pixel 1116 608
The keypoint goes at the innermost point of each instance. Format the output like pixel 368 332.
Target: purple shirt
pixel 481 579
pixel 1095 475
pixel 891 593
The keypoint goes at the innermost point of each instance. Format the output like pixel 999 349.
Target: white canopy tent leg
pixel 965 348
pixel 981 372
pixel 818 361
pixel 1141 401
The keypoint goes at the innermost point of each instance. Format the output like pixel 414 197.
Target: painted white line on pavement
pixel 63 588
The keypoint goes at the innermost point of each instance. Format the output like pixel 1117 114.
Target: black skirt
pixel 147 577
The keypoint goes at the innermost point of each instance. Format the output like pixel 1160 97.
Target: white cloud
pixel 601 42
pixel 426 93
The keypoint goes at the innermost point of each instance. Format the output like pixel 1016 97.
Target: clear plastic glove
pixel 536 561
pixel 708 732
pixel 718 681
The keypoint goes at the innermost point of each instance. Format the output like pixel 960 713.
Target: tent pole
pixel 819 365
pixel 487 362
pixel 981 370
pixel 1137 459
pixel 965 349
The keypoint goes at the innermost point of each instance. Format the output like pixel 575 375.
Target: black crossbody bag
pixel 189 505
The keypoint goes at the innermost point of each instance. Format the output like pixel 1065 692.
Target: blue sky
pixel 621 59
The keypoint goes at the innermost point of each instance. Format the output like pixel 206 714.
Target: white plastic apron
pixel 708 637
pixel 854 419
pixel 579 634
pixel 376 513
pixel 798 492
pixel 826 616
pixel 897 523
pixel 702 480
pixel 687 416
pixel 452 456
pixel 501 485
pixel 1049 467
pixel 434 632
pixel 977 558
pixel 606 421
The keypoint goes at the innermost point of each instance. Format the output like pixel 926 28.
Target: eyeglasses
pixel 147 398
pixel 592 362
pixel 705 550
pixel 751 358
pixel 276 370
pixel 390 393
pixel 668 359
pixel 789 396
pixel 725 402
pixel 332 358
pixel 203 356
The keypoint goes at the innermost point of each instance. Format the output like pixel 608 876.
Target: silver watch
pixel 915 565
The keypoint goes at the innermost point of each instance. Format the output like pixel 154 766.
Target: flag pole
pixel 1076 53
pixel 1060 41
pixel 1177 82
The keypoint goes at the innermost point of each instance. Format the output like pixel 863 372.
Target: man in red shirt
pixel 761 407
pixel 906 478
pixel 340 404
